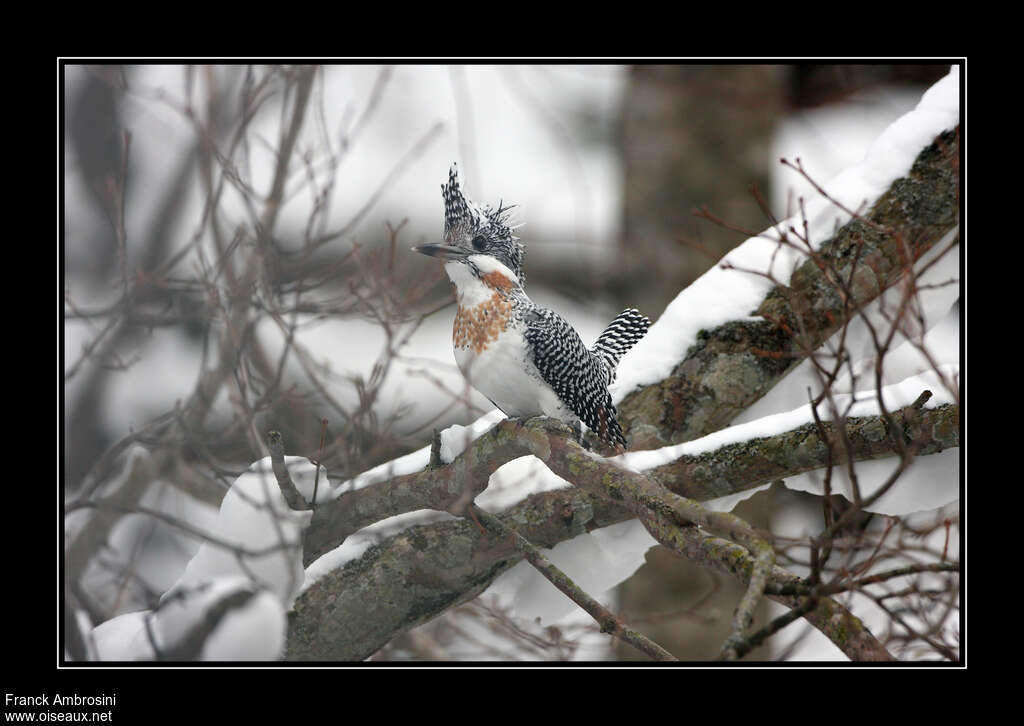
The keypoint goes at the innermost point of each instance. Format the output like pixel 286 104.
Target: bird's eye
pixel 479 242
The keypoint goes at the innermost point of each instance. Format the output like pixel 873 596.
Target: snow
pixel 508 485
pixel 723 294
pixel 253 631
pixel 600 560
pixel 905 497
pixel 864 404
pixel 609 554
pixel 155 568
pixel 356 544
pixel 596 561
pixel 512 482
pixel 352 548
pixel 84 624
pixel 455 439
pixel 941 312
pixel 930 480
pixel 830 139
pixel 255 518
pixel 408 464
pixel 155 552
pixel 124 638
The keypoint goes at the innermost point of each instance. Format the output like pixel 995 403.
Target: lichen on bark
pixel 906 221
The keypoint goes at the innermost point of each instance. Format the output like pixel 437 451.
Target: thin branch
pixel 295 500
pixel 605 618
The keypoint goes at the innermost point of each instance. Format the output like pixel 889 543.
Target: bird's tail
pixel 621 334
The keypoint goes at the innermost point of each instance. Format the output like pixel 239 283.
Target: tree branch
pixel 429 568
pixel 727 470
pixel 703 392
pixel 833 620
pixel 749 464
pixel 605 618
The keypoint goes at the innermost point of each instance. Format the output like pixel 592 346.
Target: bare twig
pixel 605 618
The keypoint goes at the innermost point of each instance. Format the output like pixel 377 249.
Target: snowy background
pixel 540 137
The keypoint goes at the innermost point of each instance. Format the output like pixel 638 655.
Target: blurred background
pixel 236 259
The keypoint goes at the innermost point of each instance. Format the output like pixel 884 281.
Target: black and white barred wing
pixel 578 377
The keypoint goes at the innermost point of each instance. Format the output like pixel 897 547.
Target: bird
pixel 526 359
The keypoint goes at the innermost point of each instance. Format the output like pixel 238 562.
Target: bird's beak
pixel 444 252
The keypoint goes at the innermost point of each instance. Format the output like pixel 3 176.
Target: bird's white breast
pixel 491 351
pixel 495 370
pixel 503 372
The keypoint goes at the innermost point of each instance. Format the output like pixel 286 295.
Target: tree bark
pixel 416 574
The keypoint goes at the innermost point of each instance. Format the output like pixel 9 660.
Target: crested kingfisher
pixel 527 360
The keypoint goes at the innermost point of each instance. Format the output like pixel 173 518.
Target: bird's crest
pixel 464 221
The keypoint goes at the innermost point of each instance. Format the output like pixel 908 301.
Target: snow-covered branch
pixel 843 318
pixel 724 370
pixel 730 366
pixel 752 462
pixel 462 561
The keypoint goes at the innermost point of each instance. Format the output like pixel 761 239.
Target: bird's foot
pixel 576 427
